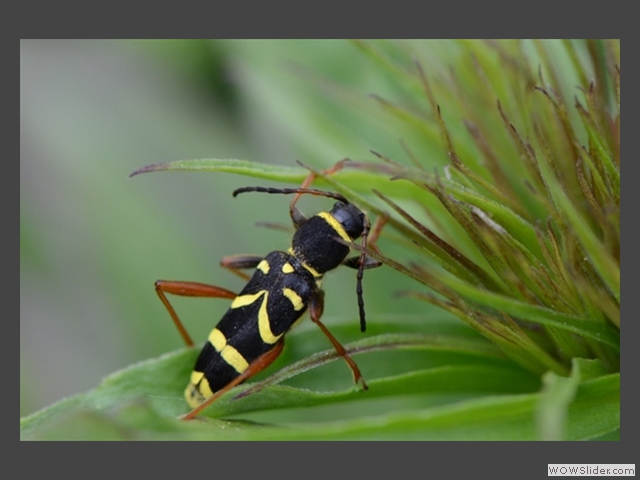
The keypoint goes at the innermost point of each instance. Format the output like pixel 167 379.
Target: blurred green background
pixel 92 241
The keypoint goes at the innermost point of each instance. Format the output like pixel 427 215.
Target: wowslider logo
pixel 582 469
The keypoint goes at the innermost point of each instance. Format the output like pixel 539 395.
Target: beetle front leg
pixel 235 263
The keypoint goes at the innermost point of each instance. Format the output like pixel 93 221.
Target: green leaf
pixel 240 167
pixel 357 180
pixel 147 397
pixel 474 394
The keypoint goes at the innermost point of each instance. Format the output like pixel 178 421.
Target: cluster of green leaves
pixel 512 227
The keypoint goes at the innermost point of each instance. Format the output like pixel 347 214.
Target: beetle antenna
pixel 289 191
pixel 360 274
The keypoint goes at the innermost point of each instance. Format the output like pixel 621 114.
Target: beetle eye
pixel 350 217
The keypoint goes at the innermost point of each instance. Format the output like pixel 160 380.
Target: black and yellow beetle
pixel 250 335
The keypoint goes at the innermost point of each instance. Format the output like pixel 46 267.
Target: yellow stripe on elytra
pixel 263 323
pixel 196 377
pixel 193 396
pixel 226 351
pixel 336 225
pixel 263 266
pixel 244 300
pixel 198 389
pixel 205 388
pixel 234 358
pixel 294 298
pixel 217 339
pixel 287 268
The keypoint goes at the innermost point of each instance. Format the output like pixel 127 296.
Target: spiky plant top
pixel 523 239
